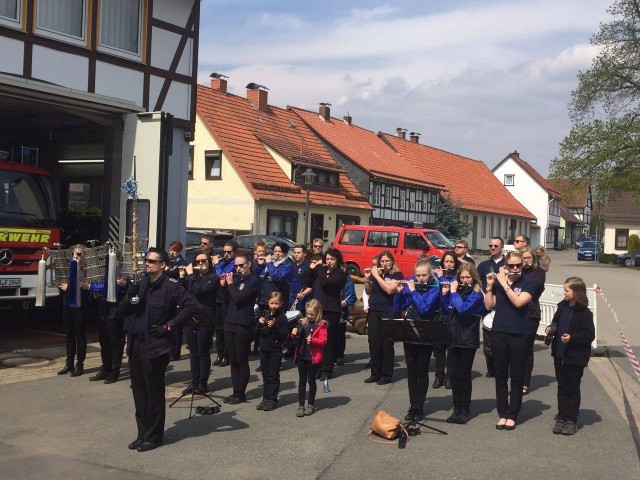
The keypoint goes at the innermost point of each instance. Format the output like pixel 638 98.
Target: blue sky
pixel 476 78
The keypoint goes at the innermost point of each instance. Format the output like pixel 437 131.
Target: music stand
pixel 416 331
pixel 214 407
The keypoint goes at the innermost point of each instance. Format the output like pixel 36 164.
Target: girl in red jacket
pixel 311 337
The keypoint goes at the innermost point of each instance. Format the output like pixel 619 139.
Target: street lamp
pixel 309 177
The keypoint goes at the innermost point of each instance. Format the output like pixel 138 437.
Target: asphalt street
pixel 69 428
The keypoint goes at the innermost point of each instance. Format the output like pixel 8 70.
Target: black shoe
pixel 463 417
pixel 372 379
pixel 224 363
pixel 79 370
pixel 101 375
pixel 146 446
pixel 384 381
pixel 188 390
pixel 202 387
pixel 135 444
pixel 217 361
pixel 409 416
pixel 340 361
pixel 236 400
pixel 229 398
pixel 112 378
pixel 438 382
pixel 270 406
pixel 447 384
pixel 453 418
pixel 66 369
pixel 261 405
pixel 418 416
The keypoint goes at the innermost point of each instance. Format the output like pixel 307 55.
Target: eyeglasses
pixel 494 246
pixel 240 265
pixel 227 251
pixel 458 247
pixel 201 262
pixel 518 241
pixel 151 261
pixel 514 265
pixel 317 246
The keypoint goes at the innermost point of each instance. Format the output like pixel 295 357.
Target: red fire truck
pixel 29 222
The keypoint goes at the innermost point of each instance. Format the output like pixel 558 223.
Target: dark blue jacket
pixel 272 338
pixel 297 283
pixel 582 331
pixel 204 290
pixel 427 303
pixel 465 312
pixel 276 278
pixel 243 293
pixel 349 292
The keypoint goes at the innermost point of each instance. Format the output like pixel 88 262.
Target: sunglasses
pixel 514 265
pixel 240 265
pixel 201 262
pixel 227 251
pixel 78 254
pixel 494 246
pixel 458 247
pixel 151 261
pixel 518 241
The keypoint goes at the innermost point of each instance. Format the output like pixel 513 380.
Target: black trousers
pixel 442 366
pixel 342 338
pixel 110 337
pixel 147 386
pixel 486 349
pixel 418 357
pixel 331 348
pixel 306 375
pixel 568 377
pixel 175 337
pixel 381 349
pixel 509 358
pixel 461 361
pixel 237 339
pixel 528 368
pixel 270 360
pixel 199 340
pixel 221 313
pixel 75 329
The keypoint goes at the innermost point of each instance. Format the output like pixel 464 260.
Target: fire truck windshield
pixel 27 199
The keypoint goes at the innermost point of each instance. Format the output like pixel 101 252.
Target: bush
pixel 633 243
pixel 608 258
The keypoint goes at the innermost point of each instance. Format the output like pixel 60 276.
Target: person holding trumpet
pixel 381 283
pixel 509 293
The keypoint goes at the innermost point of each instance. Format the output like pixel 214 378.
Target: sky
pixel 477 78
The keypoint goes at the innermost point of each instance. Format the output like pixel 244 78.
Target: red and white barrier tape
pixel 625 344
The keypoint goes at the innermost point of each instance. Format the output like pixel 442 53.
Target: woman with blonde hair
pixel 544 260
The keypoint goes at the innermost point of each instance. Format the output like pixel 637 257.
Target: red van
pixel 360 243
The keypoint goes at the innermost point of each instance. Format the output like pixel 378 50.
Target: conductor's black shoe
pixel 447 384
pixel 112 378
pixel 146 446
pixel 101 375
pixel 384 381
pixel 371 379
pixel 463 417
pixel 224 363
pixel 66 369
pixel 453 418
pixel 438 382
pixel 79 370
pixel 135 444
pixel 217 361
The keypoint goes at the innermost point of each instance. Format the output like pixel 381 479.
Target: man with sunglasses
pixel 222 266
pixel 462 252
pixel 162 305
pixel 521 242
pixel 492 265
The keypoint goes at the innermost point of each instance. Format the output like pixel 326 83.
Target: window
pixel 282 223
pixel 387 196
pixel 383 239
pixel 376 195
pixel 403 199
pixel 78 197
pixel 190 164
pixel 491 226
pixel 415 241
pixel 120 22
pixel 622 235
pixel 62 19
pixel 10 12
pixel 212 165
pixel 352 237
pixel 412 201
pixel 499 232
pixel 509 180
pixel 483 233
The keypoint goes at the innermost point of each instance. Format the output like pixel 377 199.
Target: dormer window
pixel 323 178
pixel 509 180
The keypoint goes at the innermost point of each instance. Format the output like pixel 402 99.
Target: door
pixel 317 226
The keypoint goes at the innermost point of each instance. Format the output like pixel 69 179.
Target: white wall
pixel 61 68
pixel 609 235
pixel 11 55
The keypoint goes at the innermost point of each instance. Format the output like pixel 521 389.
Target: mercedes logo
pixel 6 256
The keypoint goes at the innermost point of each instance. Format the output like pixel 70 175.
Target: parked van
pixel 360 243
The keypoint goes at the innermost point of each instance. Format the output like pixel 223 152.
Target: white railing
pixel 549 300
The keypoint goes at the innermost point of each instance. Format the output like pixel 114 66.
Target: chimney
pixel 325 112
pixel 401 133
pixel 219 82
pixel 414 137
pixel 257 94
pixel 347 119
pixel 515 155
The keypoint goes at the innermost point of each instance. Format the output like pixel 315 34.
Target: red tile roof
pixel 470 182
pixel 366 150
pixel 623 208
pixel 241 130
pixel 574 191
pixel 544 183
pixel 568 216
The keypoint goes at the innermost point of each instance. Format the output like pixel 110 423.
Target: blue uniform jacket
pixel 465 312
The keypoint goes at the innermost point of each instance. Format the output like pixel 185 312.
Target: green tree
pixel 633 244
pixel 604 142
pixel 449 220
